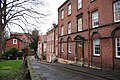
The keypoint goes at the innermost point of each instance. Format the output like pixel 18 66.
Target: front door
pixel 79 51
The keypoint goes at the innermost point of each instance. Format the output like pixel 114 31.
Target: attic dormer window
pixel 14 41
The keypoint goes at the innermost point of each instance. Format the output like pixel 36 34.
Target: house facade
pixel 14 43
pixel 42 46
pixel 18 40
pixel 89 32
pixel 52 43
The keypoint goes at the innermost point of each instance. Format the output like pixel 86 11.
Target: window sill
pixel 69 52
pixel 95 55
pixel 117 57
pixel 69 15
pixel 79 9
pixel 62 19
pixel 92 1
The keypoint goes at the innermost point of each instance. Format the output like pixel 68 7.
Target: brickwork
pixel 9 44
pixel 107 27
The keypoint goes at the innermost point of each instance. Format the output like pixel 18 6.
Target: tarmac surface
pixel 58 71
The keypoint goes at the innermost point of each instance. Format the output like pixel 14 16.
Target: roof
pixel 63 4
pixel 14 38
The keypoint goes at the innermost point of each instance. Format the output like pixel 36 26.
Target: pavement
pixel 107 74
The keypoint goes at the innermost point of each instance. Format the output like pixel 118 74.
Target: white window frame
pixel 69 28
pixel 56 36
pixel 52 35
pixel 79 24
pixel 95 19
pixel 62 47
pixel 69 47
pixel 69 9
pixel 62 30
pixel 117 46
pixel 96 44
pixel 52 48
pixel 56 50
pixel 116 11
pixel 14 41
pixel 62 14
pixel 79 4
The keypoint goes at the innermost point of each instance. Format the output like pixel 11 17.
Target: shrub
pixel 11 53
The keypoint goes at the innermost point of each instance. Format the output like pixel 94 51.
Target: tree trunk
pixel 1 43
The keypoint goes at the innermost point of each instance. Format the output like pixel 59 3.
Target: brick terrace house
pixel 17 40
pixel 89 32
pixel 52 43
pixel 42 45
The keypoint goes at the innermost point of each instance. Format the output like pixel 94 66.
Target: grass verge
pixel 10 69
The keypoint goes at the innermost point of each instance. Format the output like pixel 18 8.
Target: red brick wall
pixel 9 44
pixel 104 31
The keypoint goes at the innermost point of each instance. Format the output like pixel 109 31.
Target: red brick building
pixel 18 40
pixel 52 43
pixel 14 43
pixel 89 32
pixel 42 46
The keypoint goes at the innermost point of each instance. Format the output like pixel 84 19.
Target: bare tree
pixel 20 13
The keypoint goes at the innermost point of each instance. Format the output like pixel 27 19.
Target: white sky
pixel 53 18
pixel 53 7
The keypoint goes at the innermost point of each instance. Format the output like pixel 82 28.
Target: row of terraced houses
pixel 88 32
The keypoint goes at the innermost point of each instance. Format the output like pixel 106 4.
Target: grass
pixel 9 69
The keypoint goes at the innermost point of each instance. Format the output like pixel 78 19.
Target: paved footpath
pixel 57 71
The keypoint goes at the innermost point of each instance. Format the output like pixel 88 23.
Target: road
pixel 47 71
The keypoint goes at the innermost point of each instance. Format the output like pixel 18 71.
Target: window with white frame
pixel 69 47
pixel 56 36
pixel 118 47
pixel 79 24
pixel 69 27
pixel 62 47
pixel 52 36
pixel 69 9
pixel 62 16
pixel 56 50
pixel 79 4
pixel 62 30
pixel 117 11
pixel 45 45
pixel 96 47
pixel 52 48
pixel 95 19
pixel 14 41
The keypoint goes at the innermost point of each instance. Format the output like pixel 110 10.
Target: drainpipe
pixel 113 43
pixel 89 38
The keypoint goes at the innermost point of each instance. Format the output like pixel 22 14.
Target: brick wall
pixel 103 32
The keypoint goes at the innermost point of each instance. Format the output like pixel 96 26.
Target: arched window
pixel 96 44
pixel 116 40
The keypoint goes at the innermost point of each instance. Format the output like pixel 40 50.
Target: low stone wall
pixel 33 74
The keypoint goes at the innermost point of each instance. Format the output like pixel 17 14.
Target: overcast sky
pixel 52 6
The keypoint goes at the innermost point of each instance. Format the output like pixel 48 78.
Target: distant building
pixel 14 42
pixel 42 45
pixel 18 40
pixel 52 43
